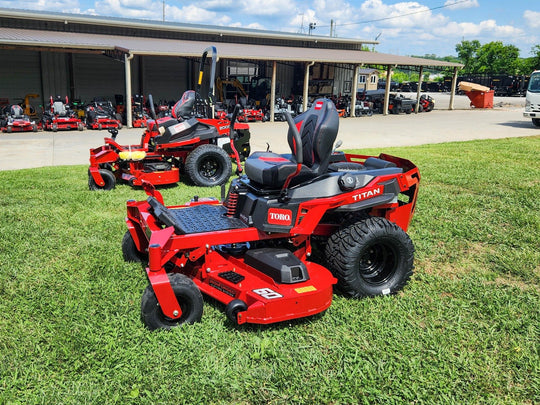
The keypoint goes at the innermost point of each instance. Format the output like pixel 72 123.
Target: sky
pixel 418 28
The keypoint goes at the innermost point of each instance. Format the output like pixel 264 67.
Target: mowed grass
pixel 465 330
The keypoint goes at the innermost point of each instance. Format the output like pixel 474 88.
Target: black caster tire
pixel 233 308
pixel 108 178
pixel 189 297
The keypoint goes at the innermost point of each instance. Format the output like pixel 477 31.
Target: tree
pixel 532 63
pixel 467 51
pixel 494 58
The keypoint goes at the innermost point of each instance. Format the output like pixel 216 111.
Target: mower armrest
pixel 163 214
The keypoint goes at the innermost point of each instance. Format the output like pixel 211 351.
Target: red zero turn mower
pixel 288 230
pixel 60 116
pixel 100 114
pixel 13 119
pixel 192 142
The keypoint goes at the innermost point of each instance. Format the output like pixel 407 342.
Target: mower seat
pixel 174 131
pixel 318 128
pixel 59 108
pixel 184 107
pixel 16 111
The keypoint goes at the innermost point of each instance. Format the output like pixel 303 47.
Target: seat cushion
pixel 271 170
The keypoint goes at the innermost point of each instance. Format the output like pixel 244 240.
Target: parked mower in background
pixel 287 231
pixel 13 119
pixel 399 104
pixel 139 116
pixel 59 116
pixel 427 103
pixel 100 114
pixel 190 142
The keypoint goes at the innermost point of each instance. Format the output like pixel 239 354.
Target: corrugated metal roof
pixel 168 47
pixel 172 26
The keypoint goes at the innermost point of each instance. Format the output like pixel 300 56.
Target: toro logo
pixel 369 193
pixel 277 216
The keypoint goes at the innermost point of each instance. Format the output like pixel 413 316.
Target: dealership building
pixel 87 57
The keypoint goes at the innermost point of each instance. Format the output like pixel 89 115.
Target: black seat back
pixel 184 108
pixel 318 128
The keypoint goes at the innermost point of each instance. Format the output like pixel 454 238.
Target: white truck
pixel 532 103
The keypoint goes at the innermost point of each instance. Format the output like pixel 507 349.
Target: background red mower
pixel 13 119
pixel 192 143
pixel 100 114
pixel 289 229
pixel 60 116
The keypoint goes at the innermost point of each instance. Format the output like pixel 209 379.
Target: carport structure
pixel 124 39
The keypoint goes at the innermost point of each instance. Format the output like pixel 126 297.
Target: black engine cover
pixel 279 264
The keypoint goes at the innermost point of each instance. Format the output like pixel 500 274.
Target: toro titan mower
pixel 60 116
pixel 287 231
pixel 13 119
pixel 191 142
pixel 100 114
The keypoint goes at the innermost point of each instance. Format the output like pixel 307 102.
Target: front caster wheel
pixel 108 178
pixel 189 297
pixel 370 257
pixel 233 308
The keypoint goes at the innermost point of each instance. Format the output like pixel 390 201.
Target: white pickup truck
pixel 532 103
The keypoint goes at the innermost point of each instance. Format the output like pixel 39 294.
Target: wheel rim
pixel 210 168
pixel 185 307
pixel 378 263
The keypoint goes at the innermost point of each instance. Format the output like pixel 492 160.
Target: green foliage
pixel 531 64
pixel 495 58
pixel 465 330
pixel 467 51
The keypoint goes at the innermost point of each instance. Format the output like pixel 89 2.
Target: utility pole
pixel 331 28
pixel 163 10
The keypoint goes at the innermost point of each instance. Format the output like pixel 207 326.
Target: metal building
pixel 88 56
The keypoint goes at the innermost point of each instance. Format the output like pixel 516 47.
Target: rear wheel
pixel 108 178
pixel 189 297
pixel 371 257
pixel 208 166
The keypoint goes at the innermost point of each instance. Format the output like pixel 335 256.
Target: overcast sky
pixel 404 28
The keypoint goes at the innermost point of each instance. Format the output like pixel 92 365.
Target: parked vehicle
pixel 532 102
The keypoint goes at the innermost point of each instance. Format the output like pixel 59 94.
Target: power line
pixel 399 16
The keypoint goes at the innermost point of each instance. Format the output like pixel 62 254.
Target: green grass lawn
pixel 465 330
